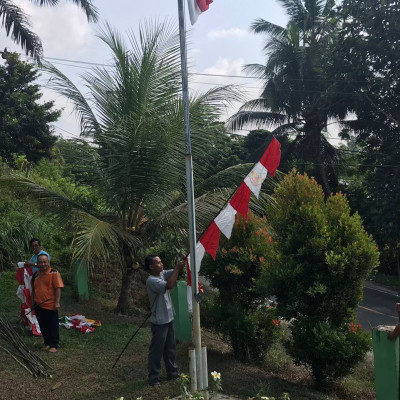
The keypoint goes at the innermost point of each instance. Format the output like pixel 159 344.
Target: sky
pixel 220 43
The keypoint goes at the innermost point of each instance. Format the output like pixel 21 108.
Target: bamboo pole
pixel 27 359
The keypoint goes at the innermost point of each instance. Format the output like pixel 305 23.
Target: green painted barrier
pixel 182 322
pixel 386 360
pixel 80 279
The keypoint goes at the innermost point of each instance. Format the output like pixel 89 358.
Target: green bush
pixel 331 352
pixel 319 258
pixel 251 332
pixel 238 311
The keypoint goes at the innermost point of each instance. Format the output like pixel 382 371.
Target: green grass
pixel 9 303
pixel 83 365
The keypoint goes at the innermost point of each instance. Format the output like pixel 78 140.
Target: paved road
pixel 378 307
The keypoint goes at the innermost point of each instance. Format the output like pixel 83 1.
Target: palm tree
pixel 16 23
pixel 298 96
pixel 133 117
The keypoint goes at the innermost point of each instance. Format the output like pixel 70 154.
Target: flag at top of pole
pixel 196 7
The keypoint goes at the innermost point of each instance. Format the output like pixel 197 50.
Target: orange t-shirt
pixel 44 286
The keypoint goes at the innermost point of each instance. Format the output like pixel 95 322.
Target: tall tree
pixel 17 25
pixel 297 93
pixel 367 63
pixel 133 117
pixel 24 122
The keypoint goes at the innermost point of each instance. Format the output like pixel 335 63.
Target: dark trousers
pixel 48 322
pixel 162 345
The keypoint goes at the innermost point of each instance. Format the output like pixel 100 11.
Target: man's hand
pixel 177 270
pixel 56 306
pixel 29 264
pixel 181 264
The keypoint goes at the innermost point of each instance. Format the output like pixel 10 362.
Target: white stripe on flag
pixel 33 320
pixel 225 220
pixel 194 11
pixel 255 178
pixel 200 251
pixel 20 293
pixel 27 280
pixel 189 298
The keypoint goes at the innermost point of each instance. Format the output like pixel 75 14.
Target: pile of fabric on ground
pixel 79 322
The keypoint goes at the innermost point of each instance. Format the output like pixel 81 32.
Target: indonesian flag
pixel 196 7
pixel 24 291
pixel 239 204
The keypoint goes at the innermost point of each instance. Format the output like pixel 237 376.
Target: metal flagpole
pixel 196 333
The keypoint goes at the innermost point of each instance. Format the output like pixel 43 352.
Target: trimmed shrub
pixel 319 258
pixel 330 352
pixel 251 333
pixel 238 311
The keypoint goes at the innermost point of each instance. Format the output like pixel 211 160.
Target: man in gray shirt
pixel 163 344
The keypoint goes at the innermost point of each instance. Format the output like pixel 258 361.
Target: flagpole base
pixel 192 371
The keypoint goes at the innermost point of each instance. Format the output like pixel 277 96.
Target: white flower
pixel 216 375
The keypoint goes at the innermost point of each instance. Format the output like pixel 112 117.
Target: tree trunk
pixel 314 129
pixel 28 170
pixel 125 298
pixel 326 187
pixel 320 169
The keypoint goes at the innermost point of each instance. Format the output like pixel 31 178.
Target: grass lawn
pixel 83 365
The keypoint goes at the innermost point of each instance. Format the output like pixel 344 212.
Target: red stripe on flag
pixel 189 279
pixel 204 4
pixel 240 201
pixel 272 157
pixel 27 295
pixel 19 276
pixel 210 239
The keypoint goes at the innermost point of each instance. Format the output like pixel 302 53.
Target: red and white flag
pixel 239 204
pixel 196 7
pixel 24 291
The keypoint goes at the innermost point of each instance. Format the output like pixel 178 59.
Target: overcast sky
pixel 220 41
